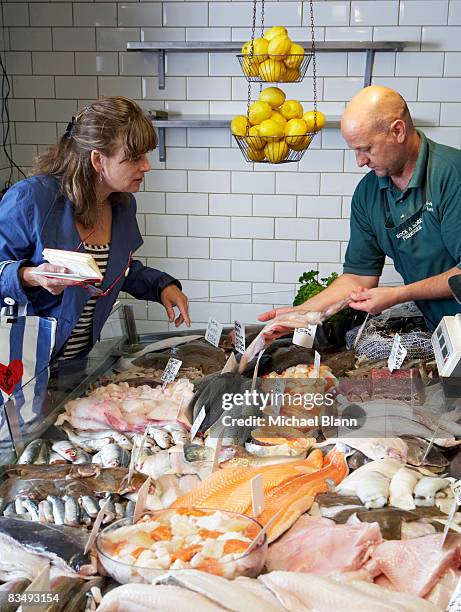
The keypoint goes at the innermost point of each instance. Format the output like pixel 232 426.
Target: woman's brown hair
pixel 103 125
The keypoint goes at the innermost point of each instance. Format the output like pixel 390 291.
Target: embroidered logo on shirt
pixel 429 207
pixel 411 231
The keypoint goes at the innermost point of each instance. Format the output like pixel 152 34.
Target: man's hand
pixel 375 300
pixel 170 297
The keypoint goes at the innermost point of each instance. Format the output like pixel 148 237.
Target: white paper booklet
pixel 82 266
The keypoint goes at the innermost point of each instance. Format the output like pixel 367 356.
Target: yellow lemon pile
pixel 274 58
pixel 275 125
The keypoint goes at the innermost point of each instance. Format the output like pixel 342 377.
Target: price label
pixel 455 601
pixel 398 354
pixel 239 337
pixel 40 585
pixel 172 368
pixel 198 421
pixel 316 371
pixel 304 336
pixel 213 332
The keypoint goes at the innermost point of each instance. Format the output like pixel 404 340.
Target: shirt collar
pixel 418 177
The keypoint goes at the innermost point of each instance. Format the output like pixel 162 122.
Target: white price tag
pixel 198 421
pixel 398 354
pixel 40 584
pixel 455 601
pixel 304 336
pixel 172 368
pixel 278 393
pixel 213 332
pixel 316 371
pixel 257 494
pixel 239 337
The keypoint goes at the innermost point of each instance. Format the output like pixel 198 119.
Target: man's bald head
pixel 378 127
pixel 376 108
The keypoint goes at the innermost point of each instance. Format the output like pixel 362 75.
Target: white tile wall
pixel 221 225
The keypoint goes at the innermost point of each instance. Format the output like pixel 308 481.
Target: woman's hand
pixel 170 297
pixel 54 285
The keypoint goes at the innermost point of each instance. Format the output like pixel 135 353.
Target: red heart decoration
pixel 10 375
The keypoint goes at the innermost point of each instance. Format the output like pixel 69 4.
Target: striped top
pixel 81 336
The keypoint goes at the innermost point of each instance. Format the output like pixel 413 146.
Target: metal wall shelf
pixel 204 121
pixel 370 47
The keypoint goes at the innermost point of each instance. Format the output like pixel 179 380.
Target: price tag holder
pixel 316 370
pixel 239 337
pixel 231 365
pixel 40 584
pixel 257 494
pixel 455 601
pixel 450 518
pixel 96 526
pixel 278 393
pixel 398 354
pixel 198 421
pixel 213 332
pixel 172 368
pixel 304 336
pixel 141 500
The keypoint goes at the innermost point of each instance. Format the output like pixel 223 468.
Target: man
pixel 408 208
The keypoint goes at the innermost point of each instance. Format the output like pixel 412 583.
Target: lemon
pixel 295 56
pixel 291 75
pixel 273 96
pixel 239 125
pixel 256 155
pixel 302 142
pixel 275 31
pixel 278 47
pixel 255 142
pixel 246 49
pixel 250 66
pixel 271 70
pixel 276 116
pixel 272 129
pixel 309 119
pixel 291 109
pixel 276 151
pixel 259 111
pixel 295 129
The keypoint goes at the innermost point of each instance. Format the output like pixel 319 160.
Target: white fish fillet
pixel 386 467
pixel 402 487
pixel 308 592
pixel 426 489
pixel 149 598
pixel 218 589
pixel 373 490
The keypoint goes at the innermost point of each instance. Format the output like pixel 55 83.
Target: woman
pixel 79 197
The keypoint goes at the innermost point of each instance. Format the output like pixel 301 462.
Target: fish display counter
pixel 267 479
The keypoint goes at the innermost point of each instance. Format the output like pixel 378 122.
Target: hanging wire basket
pixel 274 150
pixel 274 69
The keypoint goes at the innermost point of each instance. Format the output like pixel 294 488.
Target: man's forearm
pixel 433 288
pixel 339 290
